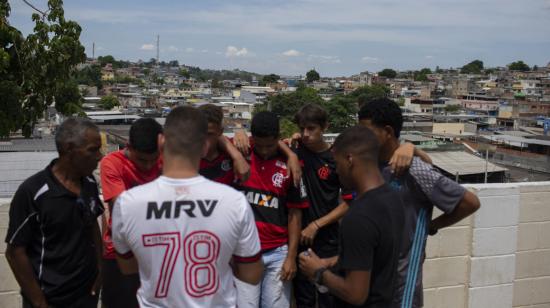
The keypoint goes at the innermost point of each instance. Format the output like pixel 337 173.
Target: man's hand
pixel 288 271
pixel 97 284
pixel 309 263
pixel 295 169
pixel 241 169
pixel 402 158
pixel 242 142
pixel 308 234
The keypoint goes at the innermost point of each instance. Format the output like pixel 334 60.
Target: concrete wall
pixel 500 257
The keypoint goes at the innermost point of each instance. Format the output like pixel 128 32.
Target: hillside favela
pixel 434 113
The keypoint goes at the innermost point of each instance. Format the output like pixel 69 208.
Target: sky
pixel 335 37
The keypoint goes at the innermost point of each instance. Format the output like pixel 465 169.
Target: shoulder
pixel 113 159
pixel 33 184
pixel 225 191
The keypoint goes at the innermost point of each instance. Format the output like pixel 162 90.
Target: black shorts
pixel 118 290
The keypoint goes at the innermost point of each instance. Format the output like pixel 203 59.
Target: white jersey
pixel 183 233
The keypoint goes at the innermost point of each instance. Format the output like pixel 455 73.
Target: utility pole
pixel 158 49
pixel 93 51
pixel 486 163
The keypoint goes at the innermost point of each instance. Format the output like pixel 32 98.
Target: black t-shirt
pixel 370 237
pixel 55 226
pixel 323 189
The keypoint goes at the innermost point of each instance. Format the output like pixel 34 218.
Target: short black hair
pixel 382 112
pixel 72 132
pixel 213 113
pixel 360 141
pixel 311 114
pixel 265 124
pixel 185 132
pixel 144 135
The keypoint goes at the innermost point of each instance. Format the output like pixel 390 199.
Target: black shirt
pixel 323 189
pixel 370 237
pixel 55 226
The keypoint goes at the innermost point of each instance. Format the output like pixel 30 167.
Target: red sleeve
pixel 111 179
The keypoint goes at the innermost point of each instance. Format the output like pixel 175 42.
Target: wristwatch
pixel 318 280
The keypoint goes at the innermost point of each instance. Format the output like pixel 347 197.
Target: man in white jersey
pixel 183 230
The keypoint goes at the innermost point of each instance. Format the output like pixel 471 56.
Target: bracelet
pixel 315 223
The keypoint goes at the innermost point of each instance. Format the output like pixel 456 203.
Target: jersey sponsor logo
pixel 263 200
pixel 191 208
pixel 280 164
pixel 323 172
pixel 226 165
pixel 278 179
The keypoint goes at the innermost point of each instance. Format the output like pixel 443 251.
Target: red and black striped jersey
pixel 270 192
pixel 218 170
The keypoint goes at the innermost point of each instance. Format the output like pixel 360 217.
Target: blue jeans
pixel 274 292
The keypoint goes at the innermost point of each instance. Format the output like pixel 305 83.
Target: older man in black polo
pixel 54 242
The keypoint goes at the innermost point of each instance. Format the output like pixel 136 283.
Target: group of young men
pixel 194 219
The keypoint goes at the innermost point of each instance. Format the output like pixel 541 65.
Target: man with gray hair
pixel 53 239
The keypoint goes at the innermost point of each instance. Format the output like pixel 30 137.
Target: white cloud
pixel 368 59
pixel 147 47
pixel 292 53
pixel 172 48
pixel 429 57
pixel 324 59
pixel 204 51
pixel 189 49
pixel 233 51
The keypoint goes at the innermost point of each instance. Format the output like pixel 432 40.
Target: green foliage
pixel 422 75
pixel 452 108
pixel 312 76
pixel 90 76
pixel 518 66
pixel 342 109
pixel 184 73
pixel 109 102
pixel 388 73
pixel 204 75
pixel 215 84
pixel 271 78
pixel 474 67
pixel 287 128
pixel 36 69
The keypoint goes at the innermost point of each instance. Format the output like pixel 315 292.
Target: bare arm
pixel 241 141
pixel 128 265
pixel 294 227
pixel 293 163
pixel 423 155
pixel 354 288
pixel 467 206
pixel 250 273
pixel 240 166
pixel 309 233
pixel 23 272
pixel 402 157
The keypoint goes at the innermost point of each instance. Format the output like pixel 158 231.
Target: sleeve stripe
pixel 21 226
pixel 297 205
pixel 250 259
pixel 127 255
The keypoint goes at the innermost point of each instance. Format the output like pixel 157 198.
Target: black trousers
pixel 119 290
pixel 87 301
pixel 305 292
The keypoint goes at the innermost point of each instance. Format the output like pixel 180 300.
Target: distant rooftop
pixel 462 163
pixel 46 144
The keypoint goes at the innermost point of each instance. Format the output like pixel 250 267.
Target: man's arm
pixel 127 263
pixel 22 269
pixel 467 206
pixel 353 288
pixel 292 162
pixel 240 166
pixel 402 157
pixel 309 233
pixel 250 273
pixel 294 227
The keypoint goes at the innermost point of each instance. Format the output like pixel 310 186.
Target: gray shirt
pixel 420 188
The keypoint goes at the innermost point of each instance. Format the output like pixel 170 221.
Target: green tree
pixel 35 70
pixel 90 76
pixel 184 73
pixel 109 102
pixel 518 66
pixel 452 108
pixel 104 60
pixel 422 75
pixel 535 68
pixel 288 128
pixel 215 84
pixel 388 73
pixel 271 78
pixel 312 76
pixel 474 67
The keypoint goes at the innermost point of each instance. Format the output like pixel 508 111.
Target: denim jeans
pixel 274 292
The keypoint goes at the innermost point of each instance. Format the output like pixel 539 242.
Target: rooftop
pixel 462 163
